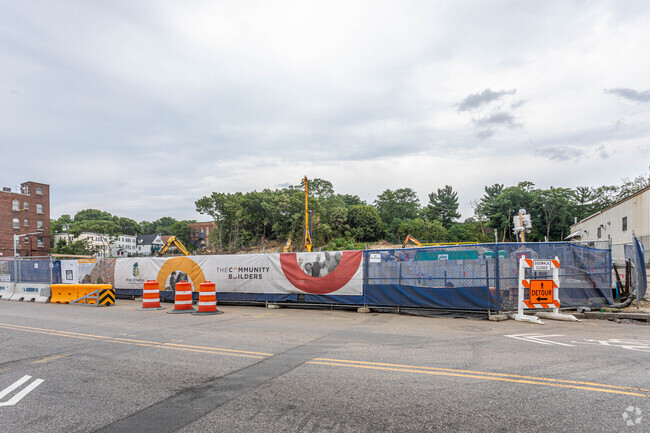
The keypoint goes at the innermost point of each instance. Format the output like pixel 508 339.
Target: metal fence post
pixel 497 282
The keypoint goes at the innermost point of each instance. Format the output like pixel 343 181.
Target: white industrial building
pixel 617 222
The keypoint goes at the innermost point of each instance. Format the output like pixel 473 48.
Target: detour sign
pixel 541 291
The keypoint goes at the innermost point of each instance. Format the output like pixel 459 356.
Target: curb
pixel 611 316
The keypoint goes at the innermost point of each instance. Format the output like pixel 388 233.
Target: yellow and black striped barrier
pixel 94 294
pixel 107 297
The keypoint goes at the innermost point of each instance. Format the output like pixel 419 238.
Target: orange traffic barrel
pixel 207 299
pixel 151 296
pixel 182 298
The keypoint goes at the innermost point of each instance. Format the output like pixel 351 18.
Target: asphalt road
pixel 252 369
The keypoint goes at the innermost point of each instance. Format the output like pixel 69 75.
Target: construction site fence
pixel 634 252
pixel 619 253
pixel 453 277
pixel 484 276
pixel 464 277
pixel 30 270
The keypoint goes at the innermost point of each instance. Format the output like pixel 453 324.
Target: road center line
pixel 473 376
pixel 145 343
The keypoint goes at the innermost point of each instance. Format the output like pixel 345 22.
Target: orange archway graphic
pixel 182 264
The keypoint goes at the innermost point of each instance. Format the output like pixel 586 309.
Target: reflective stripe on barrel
pixel 183 296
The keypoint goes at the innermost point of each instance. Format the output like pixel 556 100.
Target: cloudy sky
pixel 140 108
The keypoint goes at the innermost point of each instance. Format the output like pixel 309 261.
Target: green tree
pixel 583 199
pixel 181 230
pixel 364 223
pixel 507 204
pixel 443 206
pixel 396 206
pixel 60 224
pixel 105 227
pixel 630 187
pixel 93 215
pixel 127 226
pixel 79 248
pixel 215 206
pixel 554 207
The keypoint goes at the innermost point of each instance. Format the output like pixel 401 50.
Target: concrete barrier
pixel 6 290
pixel 31 292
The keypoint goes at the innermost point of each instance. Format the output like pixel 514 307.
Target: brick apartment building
pixel 27 213
pixel 199 234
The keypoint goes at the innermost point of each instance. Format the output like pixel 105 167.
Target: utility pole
pixel 307 242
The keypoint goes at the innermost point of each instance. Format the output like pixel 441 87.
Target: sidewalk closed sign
pixel 541 265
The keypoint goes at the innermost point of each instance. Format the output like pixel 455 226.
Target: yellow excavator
pixel 173 241
pixel 412 239
pixel 287 246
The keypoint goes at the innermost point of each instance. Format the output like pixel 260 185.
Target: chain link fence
pixel 482 276
pixel 30 270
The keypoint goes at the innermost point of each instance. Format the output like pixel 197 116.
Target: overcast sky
pixel 140 108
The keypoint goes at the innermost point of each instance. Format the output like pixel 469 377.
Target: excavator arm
pixel 412 239
pixel 173 241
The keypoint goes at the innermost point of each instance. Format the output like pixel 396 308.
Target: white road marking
pixel 638 345
pixel 17 384
pixel 537 338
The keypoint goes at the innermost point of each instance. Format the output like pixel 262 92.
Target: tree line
pixel 97 221
pixel 343 221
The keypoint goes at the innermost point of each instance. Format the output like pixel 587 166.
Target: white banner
pixel 336 273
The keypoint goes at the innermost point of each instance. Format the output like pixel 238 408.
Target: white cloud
pixel 140 108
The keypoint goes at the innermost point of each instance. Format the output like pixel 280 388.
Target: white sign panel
pixel 319 273
pixel 541 265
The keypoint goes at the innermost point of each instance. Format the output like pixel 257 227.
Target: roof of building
pixel 146 239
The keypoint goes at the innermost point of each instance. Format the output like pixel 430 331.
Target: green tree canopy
pixel 443 206
pixel 365 223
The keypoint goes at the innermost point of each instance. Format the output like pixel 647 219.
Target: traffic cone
pixel 207 299
pixel 151 296
pixel 182 298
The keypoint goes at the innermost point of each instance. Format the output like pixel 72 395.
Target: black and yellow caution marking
pixel 107 297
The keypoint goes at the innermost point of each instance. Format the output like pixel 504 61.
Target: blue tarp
pixel 467 277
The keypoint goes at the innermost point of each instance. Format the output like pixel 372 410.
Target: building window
pixel 40 242
pixel 624 223
pixel 15 205
pixel 25 206
pixel 16 223
pixel 26 239
pixel 26 222
pixel 39 225
pixel 39 190
pixel 39 208
pixel 598 233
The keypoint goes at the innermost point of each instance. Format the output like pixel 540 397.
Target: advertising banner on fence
pixel 318 273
